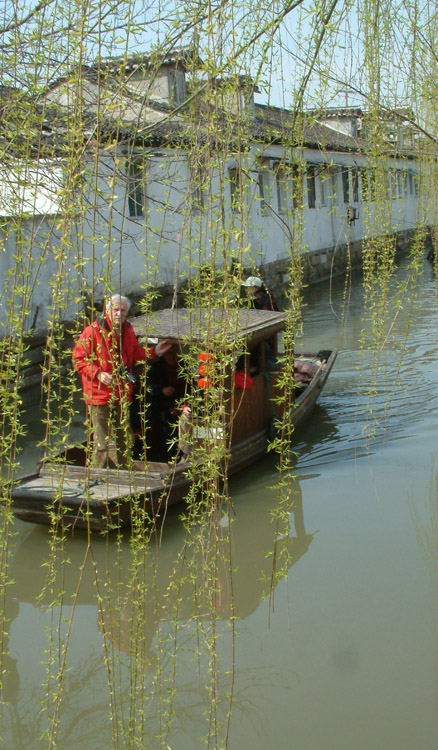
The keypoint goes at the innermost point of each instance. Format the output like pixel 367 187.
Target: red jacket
pixel 98 348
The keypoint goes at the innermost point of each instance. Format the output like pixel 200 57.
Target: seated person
pixel 271 364
pixel 166 387
pixel 304 371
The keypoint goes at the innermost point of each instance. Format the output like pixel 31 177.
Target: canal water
pixel 341 651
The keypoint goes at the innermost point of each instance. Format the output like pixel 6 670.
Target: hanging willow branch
pixel 135 159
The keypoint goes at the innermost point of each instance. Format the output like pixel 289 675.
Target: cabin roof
pixel 215 326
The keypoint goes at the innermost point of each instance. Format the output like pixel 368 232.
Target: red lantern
pixel 204 382
pixel 205 369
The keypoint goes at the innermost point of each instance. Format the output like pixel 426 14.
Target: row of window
pixel 326 186
pixel 317 185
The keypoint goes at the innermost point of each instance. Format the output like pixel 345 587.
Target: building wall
pixel 323 264
pixel 179 229
pixel 186 221
pixel 40 276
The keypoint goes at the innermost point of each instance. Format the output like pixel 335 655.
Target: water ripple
pixel 370 401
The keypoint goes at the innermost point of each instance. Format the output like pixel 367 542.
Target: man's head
pixel 117 308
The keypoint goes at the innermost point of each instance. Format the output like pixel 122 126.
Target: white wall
pixel 172 237
pixel 106 249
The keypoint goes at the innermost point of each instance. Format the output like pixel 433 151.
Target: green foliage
pixel 79 216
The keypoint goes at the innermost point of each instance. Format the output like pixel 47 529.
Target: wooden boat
pixel 66 491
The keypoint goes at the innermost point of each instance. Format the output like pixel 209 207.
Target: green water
pixel 344 654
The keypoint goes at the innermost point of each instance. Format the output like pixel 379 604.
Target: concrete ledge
pixel 323 264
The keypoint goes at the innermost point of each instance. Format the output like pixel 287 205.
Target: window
pixel 388 185
pixel 365 185
pixel 355 184
pixel 198 201
pixel 369 184
pixel 263 186
pixel 234 176
pixel 198 188
pixel 346 184
pixel 136 195
pixel 282 178
pixel 297 186
pixel 177 87
pixel 324 186
pixel 334 185
pixel 373 184
pixel 400 182
pixel 393 176
pixel 311 187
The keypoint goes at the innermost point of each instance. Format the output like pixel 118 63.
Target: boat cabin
pixel 239 347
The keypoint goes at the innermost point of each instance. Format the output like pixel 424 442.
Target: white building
pixel 170 174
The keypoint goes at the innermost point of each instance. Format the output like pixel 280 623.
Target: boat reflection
pixel 124 596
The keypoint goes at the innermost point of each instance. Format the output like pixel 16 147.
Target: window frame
pixel 311 185
pixel 235 181
pixel 263 189
pixel 177 86
pixel 346 185
pixel 325 186
pixel 284 198
pixel 135 187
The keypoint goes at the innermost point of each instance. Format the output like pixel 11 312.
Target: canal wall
pixel 321 265
pixel 316 266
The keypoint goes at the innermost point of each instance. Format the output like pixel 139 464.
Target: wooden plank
pixel 88 473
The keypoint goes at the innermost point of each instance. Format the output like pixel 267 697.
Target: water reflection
pixel 317 436
pixel 110 599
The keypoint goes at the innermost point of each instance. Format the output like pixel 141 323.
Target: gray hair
pixel 116 298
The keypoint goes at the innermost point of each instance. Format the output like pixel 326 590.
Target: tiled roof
pixel 180 55
pixel 134 116
pixel 271 120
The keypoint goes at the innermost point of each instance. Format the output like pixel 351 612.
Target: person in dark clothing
pixel 259 296
pixel 261 299
pixel 166 388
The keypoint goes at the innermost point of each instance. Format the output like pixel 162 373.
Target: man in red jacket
pixel 104 356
